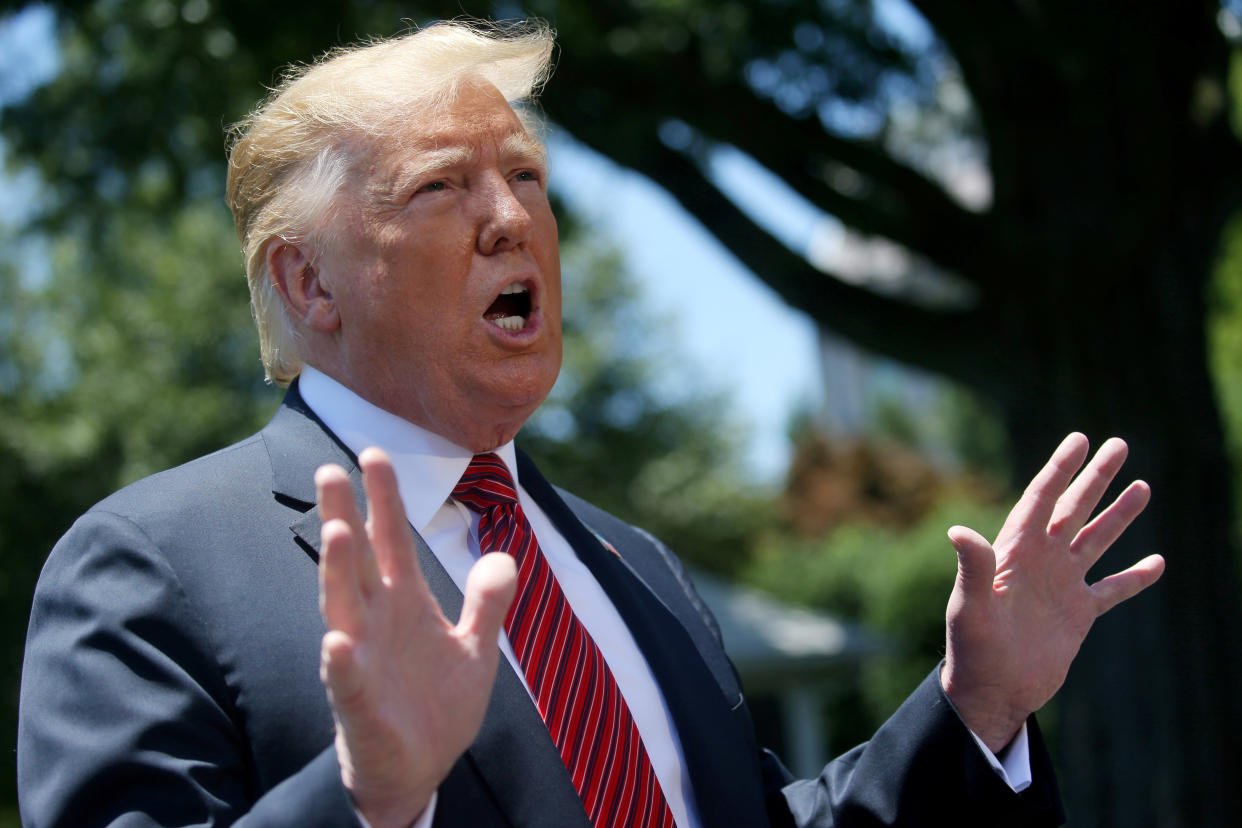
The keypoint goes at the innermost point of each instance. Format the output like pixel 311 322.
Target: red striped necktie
pixel 577 696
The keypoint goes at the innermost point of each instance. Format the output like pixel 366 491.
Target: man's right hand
pixel 408 689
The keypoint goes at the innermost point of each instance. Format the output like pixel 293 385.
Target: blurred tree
pixel 894 580
pixel 1225 338
pixel 1061 271
pixel 837 481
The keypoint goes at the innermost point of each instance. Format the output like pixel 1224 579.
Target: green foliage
pixel 1224 318
pixel 896 583
pixel 139 336
pixel 976 432
pixel 1224 333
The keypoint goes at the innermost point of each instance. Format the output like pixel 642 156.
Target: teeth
pixel 511 323
pixel 517 287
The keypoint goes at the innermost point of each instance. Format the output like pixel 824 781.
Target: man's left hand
pixel 1021 607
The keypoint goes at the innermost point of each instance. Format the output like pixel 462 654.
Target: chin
pixel 504 403
pixel 484 431
pixel 526 385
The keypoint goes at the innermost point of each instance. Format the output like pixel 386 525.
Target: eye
pixel 526 175
pixel 433 187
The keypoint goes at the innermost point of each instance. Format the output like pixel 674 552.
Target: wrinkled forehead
pixel 450 132
pixel 471 111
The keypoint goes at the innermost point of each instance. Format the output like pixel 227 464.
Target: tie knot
pixel 485 484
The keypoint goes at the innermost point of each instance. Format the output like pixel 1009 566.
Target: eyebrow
pixel 406 173
pixel 517 146
pixel 521 147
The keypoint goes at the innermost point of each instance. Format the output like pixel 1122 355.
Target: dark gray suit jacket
pixel 171 676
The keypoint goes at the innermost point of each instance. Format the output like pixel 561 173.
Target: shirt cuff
pixel 1013 763
pixel 423 821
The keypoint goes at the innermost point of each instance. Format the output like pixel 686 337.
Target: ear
pixel 300 284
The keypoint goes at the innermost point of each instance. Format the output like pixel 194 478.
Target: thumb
pixel 976 562
pixel 490 588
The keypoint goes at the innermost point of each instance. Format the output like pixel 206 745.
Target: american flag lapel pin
pixel 604 543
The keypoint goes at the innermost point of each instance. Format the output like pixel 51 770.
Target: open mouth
pixel 511 310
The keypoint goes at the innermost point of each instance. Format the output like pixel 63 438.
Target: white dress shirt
pixel 428 466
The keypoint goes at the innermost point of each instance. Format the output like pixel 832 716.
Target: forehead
pixel 476 119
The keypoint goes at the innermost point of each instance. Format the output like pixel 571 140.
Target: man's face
pixel 446 274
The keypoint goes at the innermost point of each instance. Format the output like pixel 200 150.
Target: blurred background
pixel 839 273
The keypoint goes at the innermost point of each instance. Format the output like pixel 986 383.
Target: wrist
pixel 386 809
pixel 390 817
pixel 990 716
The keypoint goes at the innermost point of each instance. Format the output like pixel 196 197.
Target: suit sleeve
pixel 921 768
pixel 126 717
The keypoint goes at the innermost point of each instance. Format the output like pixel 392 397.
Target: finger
pixel 1096 537
pixel 490 588
pixel 387 525
pixel 335 495
pixel 1034 509
pixel 341 599
pixel 1074 508
pixel 1114 589
pixel 340 673
pixel 976 562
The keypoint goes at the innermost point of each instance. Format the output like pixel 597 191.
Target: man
pixel 404 273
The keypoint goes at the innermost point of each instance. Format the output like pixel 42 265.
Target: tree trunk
pixel 1147 725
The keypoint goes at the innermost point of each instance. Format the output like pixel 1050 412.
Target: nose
pixel 506 223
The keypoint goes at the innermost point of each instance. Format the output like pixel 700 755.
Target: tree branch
pixel 896 201
pixel 939 341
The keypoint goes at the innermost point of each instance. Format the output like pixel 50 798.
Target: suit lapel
pixel 513 755
pixel 719 751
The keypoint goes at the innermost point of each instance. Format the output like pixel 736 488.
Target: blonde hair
pixel 290 157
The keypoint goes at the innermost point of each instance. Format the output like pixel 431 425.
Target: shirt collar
pixel 427 465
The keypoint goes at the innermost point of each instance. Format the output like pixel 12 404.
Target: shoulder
pixel 210 494
pixel 241 466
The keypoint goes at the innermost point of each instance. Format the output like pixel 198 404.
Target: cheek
pixel 554 290
pixel 549 257
pixel 419 292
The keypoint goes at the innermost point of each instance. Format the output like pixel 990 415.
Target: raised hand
pixel 1021 606
pixel 408 689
